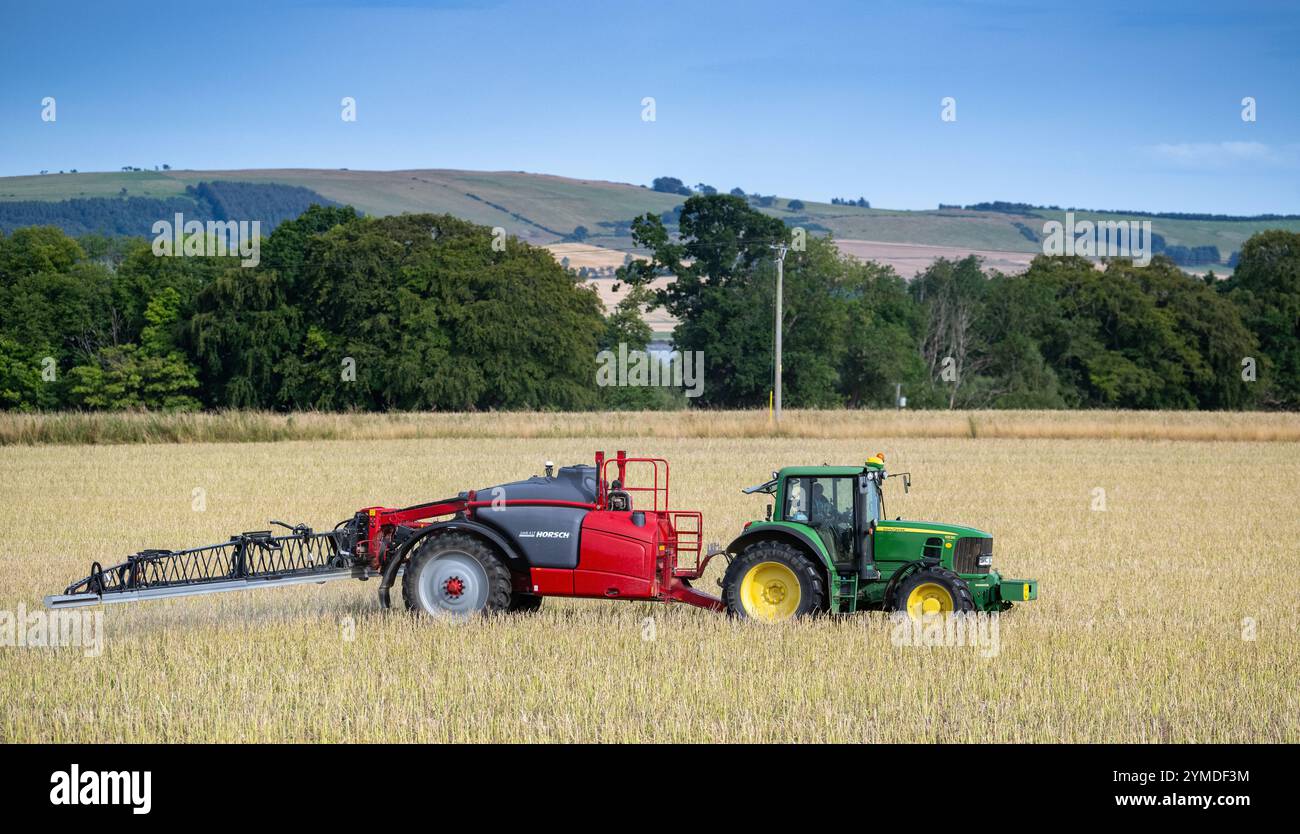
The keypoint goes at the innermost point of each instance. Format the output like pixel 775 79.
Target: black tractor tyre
pixel 812 587
pixel 455 574
pixel 525 603
pixel 962 601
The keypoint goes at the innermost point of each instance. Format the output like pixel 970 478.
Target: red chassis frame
pixel 617 558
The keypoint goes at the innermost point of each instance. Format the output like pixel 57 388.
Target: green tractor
pixel 827 546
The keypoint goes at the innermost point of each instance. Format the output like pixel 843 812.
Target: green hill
pixel 544 209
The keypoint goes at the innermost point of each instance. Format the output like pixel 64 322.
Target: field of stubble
pixel 1142 633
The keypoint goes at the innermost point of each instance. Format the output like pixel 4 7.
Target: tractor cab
pixel 841 504
pixel 838 503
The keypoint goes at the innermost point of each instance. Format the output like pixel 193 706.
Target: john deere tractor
pixel 826 545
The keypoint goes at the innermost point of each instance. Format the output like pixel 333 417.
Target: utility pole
pixel 780 275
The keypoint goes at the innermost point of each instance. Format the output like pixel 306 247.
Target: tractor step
pixel 846 593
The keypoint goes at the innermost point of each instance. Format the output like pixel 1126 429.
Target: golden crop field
pixel 1169 577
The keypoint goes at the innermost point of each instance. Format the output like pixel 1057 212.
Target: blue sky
pixel 1105 105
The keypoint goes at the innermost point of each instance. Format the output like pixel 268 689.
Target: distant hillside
pixel 547 209
pixel 1028 208
pixel 537 208
pixel 270 203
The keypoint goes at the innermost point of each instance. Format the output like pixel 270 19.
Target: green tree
pixel 816 319
pixel 1018 314
pixel 723 297
pixel 670 185
pixel 1113 344
pixel 1265 288
pixel 55 311
pixel 432 314
pixel 36 249
pixel 951 295
pixel 22 387
pixel 1213 337
pixel 249 323
pixel 155 374
pixel 882 338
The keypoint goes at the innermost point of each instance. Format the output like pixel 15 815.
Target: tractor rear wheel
pixel 772 580
pixel 933 591
pixel 455 574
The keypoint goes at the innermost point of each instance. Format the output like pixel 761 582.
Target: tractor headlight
pixel 986 560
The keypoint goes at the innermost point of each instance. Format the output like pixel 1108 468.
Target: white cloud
pixel 1222 155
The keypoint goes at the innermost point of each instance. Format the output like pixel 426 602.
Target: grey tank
pixel 547 537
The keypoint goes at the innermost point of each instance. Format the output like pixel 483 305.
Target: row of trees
pixel 433 312
pixel 1007 207
pixel 343 312
pixel 270 203
pixel 1065 334
pixel 673 185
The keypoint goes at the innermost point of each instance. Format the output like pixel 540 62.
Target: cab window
pixel 872 506
pixel 818 501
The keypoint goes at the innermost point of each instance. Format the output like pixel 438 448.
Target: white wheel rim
pixel 454 583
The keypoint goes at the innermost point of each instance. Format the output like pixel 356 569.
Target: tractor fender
pixel 761 532
pixel 514 562
pixel 901 574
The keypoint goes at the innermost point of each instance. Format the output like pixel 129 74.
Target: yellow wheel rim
pixel 929 598
pixel 770 591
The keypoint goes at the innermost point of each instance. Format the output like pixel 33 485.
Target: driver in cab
pixel 822 508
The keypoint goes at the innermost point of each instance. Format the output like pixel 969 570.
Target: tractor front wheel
pixel 772 580
pixel 933 591
pixel 455 574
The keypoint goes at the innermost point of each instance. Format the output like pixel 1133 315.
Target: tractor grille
pixel 967 553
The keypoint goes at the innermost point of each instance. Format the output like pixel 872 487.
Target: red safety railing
pixel 657 491
pixel 688 542
pixel 648 478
